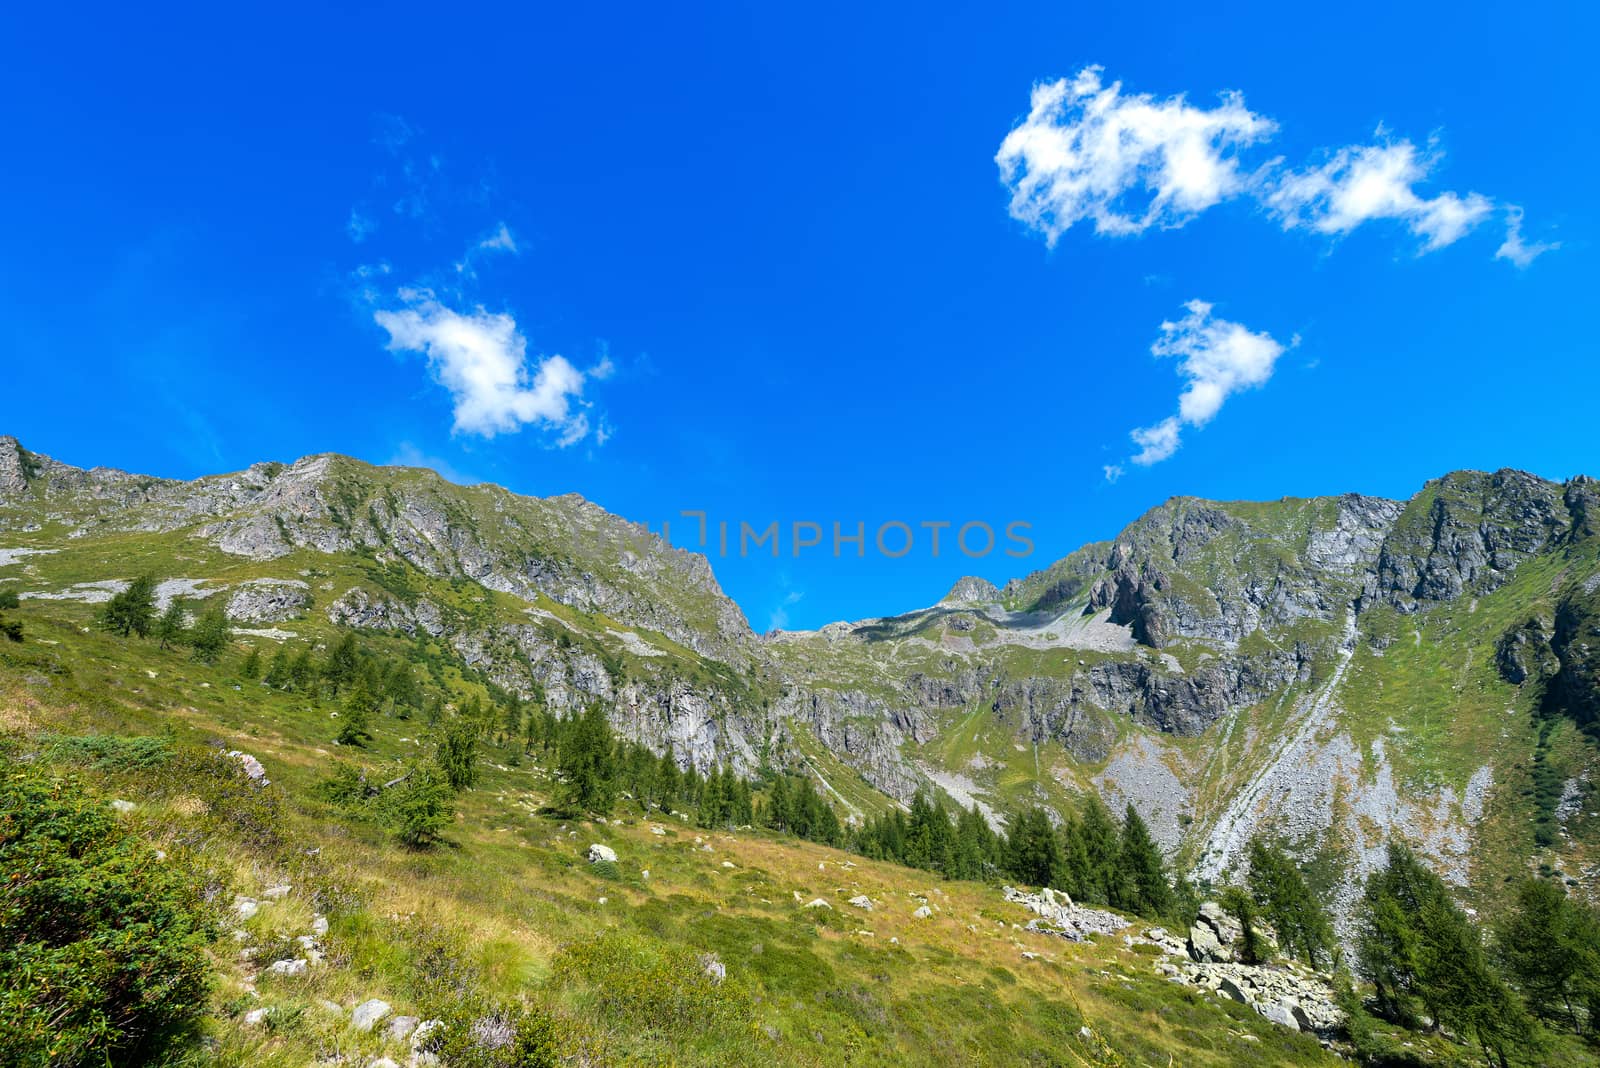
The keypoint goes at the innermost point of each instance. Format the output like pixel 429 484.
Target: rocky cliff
pixel 1229 667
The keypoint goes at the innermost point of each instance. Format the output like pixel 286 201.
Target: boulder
pixel 288 967
pixel 817 903
pixel 1281 1013
pixel 862 901
pixel 713 968
pixel 923 912
pixel 400 1028
pixel 598 853
pixel 368 1013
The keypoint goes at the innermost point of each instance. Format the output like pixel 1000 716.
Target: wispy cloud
pixel 1091 153
pixel 1513 248
pixel 360 226
pixel 481 358
pixel 1360 184
pixel 778 619
pixel 1088 153
pixel 1216 358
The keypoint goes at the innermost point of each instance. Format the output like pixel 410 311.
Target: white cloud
pixel 359 227
pixel 1361 183
pixel 481 358
pixel 499 241
pixel 778 619
pixel 1513 248
pixel 1217 359
pixel 1158 442
pixel 1087 153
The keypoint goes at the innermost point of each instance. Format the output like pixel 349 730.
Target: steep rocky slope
pixel 1333 670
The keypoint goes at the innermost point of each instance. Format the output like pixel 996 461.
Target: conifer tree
pixel 587 763
pixel 169 627
pixel 1550 945
pixel 1417 948
pixel 456 754
pixel 355 722
pixel 1103 847
pixel 250 668
pixel 1032 853
pixel 210 634
pixel 132 611
pixel 1288 905
pixel 339 671
pixel 278 671
pixel 1144 876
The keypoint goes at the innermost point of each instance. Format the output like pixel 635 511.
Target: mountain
pixel 1334 671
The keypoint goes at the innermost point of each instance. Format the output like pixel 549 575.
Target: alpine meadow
pixel 540 536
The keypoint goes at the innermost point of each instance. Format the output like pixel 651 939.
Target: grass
pixel 507 909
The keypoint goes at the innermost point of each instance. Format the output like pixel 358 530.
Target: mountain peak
pixel 969 589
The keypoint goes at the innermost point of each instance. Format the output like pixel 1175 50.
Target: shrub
pixel 499 1037
pixel 102 945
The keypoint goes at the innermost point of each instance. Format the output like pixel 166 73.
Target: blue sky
pixel 810 265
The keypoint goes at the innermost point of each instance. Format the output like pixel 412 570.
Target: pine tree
pixel 1103 847
pixel 302 672
pixel 340 668
pixel 1288 905
pixel 278 672
pixel 420 806
pixel 133 611
pixel 1075 873
pixel 1550 945
pixel 1032 853
pixel 1144 876
pixel 586 763
pixel 169 627
pixel 250 668
pixel 1417 948
pixel 667 782
pixel 210 634
pixel 457 753
pixel 355 720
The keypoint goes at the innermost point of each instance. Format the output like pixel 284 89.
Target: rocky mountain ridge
pixel 1172 666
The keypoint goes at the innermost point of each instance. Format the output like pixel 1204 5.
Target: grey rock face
pixel 268 601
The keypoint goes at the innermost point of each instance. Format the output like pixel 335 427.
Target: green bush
pixel 498 1037
pixel 102 944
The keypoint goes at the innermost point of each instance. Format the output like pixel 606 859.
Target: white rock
pixel 727 864
pixel 400 1028
pixel 862 901
pixel 368 1013
pixel 288 967
pixel 818 903
pixel 923 912
pixel 256 1017
pixel 276 893
pixel 598 852
pixel 319 926
pixel 245 907
pixel 383 1062
pixel 122 806
pixel 423 1031
pixel 714 969
pixel 658 831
